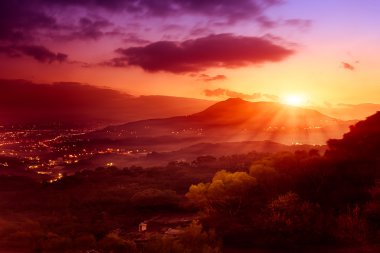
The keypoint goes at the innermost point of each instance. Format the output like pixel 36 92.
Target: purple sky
pixel 326 51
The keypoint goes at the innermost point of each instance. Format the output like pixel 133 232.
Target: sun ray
pixel 294 100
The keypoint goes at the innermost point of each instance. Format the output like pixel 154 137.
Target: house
pixel 143 226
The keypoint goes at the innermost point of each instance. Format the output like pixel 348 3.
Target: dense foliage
pixel 282 200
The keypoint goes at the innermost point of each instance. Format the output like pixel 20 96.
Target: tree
pixel 227 193
pixel 112 242
pixel 155 198
pixel 193 239
pixel 290 220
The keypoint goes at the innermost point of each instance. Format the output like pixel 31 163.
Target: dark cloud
pixel 231 10
pixel 133 38
pixel 34 20
pixel 39 53
pixel 20 19
pixel 234 94
pixel 90 29
pixel 208 78
pixel 28 20
pixel 118 62
pixel 222 50
pixel 348 66
pixel 42 54
pixel 112 5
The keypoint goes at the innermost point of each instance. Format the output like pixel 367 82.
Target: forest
pixel 264 202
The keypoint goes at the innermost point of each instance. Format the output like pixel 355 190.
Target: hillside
pixel 237 120
pixel 72 104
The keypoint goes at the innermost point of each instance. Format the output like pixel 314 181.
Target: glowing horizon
pixel 324 49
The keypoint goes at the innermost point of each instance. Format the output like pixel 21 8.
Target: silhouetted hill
pixel 362 141
pixel 24 102
pixel 234 148
pixel 238 111
pixel 238 120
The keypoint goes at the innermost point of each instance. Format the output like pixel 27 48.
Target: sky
pixel 326 52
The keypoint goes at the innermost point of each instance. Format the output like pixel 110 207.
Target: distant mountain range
pixel 74 104
pixel 234 120
pixel 350 111
pixel 220 149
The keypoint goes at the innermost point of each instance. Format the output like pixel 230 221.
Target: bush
pixel 194 239
pixel 288 220
pixel 350 228
pixel 228 193
pixel 155 198
pixel 112 242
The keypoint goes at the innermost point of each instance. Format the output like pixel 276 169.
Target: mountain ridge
pixel 26 102
pixel 238 120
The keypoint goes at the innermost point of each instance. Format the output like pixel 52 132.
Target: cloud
pixel 133 38
pixel 227 9
pixel 254 96
pixel 23 20
pixel 348 66
pixel 215 93
pixel 327 104
pixel 234 94
pixel 272 97
pixel 302 24
pixel 172 27
pixel 265 22
pixel 112 5
pixel 200 31
pixel 222 50
pixel 208 78
pixel 39 53
pixel 42 54
pixel 33 20
pixel 20 19
pixel 90 29
pixel 10 51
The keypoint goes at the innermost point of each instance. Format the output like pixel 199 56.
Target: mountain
pixel 235 111
pixel 235 120
pixel 23 102
pixel 191 153
pixel 220 149
pixel 350 111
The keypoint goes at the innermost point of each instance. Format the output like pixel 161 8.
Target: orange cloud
pixel 348 66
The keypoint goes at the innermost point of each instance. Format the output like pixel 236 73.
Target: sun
pixel 294 100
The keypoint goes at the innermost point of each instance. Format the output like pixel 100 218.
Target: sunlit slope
pixel 238 120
